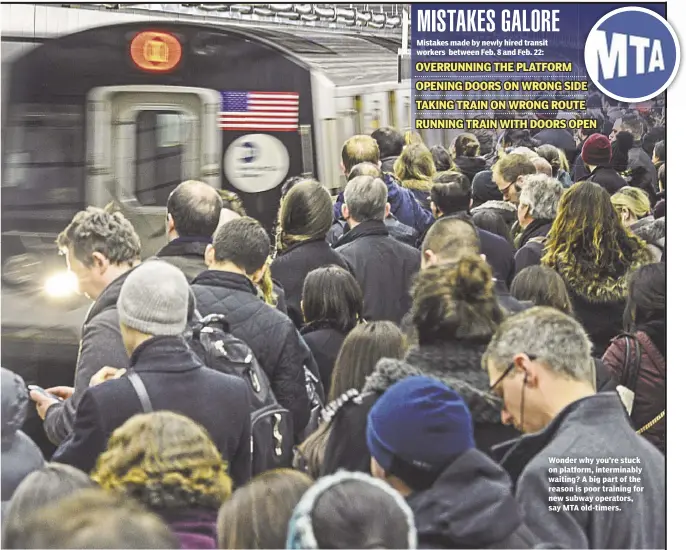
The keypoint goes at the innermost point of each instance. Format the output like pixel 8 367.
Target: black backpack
pixel 272 435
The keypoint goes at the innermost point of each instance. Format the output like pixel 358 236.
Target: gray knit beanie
pixel 154 299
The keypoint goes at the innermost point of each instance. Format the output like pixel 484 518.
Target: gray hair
pixel 552 337
pixel 366 198
pixel 96 230
pixel 542 195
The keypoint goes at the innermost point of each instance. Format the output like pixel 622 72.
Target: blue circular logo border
pixel 676 44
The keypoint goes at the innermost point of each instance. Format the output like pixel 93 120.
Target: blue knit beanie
pixel 420 421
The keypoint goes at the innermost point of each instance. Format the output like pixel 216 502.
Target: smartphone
pixel 41 390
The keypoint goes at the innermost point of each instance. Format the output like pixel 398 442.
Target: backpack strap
pixel 140 390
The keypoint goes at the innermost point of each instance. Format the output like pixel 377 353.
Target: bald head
pixel 194 208
pixel 543 166
pixel 448 240
pixel 359 149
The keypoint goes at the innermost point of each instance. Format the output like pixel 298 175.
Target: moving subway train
pixel 94 111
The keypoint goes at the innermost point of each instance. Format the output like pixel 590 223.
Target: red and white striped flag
pixel 265 111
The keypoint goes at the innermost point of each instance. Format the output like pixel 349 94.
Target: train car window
pixel 43 156
pixel 161 138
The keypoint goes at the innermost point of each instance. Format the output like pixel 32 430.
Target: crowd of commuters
pixel 423 346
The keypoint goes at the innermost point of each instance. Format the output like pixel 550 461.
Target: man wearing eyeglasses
pixel 579 445
pixel 508 175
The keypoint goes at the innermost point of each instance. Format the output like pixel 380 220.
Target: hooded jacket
pixel 457 364
pixel 186 253
pixel 653 232
pixel 599 301
pixel 100 346
pixel 641 172
pixel 421 189
pixel 404 206
pixel 470 505
pixel 20 456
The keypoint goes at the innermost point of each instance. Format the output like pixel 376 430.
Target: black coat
pixel 324 342
pixel 531 252
pixel 270 334
pixel 457 364
pixel 176 381
pixel 292 266
pixel 396 229
pixel 186 253
pixel 560 138
pixel 470 505
pixel 499 253
pixel 384 268
pixel 100 346
pixel 607 178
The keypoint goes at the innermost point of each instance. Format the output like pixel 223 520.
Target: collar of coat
pixel 365 229
pixel 185 246
pixel 601 408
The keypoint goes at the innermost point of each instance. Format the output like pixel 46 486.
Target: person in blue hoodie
pixel 404 206
pixel 420 437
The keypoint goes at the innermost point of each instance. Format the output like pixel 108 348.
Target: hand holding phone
pixel 44 392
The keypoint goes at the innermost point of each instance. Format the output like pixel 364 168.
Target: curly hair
pixel 104 231
pixel 588 237
pixel 231 201
pixel 165 461
pixel 455 300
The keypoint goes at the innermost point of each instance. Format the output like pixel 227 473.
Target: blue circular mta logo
pixel 632 54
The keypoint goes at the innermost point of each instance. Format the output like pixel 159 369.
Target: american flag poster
pixel 266 111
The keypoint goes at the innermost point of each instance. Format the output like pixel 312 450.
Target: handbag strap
pixel 142 393
pixel 631 367
pixel 652 422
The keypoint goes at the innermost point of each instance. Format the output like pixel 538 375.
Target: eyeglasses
pixel 507 371
pixel 504 189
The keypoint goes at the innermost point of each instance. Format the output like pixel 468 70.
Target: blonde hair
pixel 415 167
pixel 164 460
pixel 635 200
pixel 413 138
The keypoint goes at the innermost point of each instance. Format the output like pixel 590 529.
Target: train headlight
pixel 61 285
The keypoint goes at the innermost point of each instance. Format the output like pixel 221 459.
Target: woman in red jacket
pixel 645 319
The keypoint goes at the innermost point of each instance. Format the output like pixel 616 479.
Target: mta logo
pixel 632 54
pixel 251 152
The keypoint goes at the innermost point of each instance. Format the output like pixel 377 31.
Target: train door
pixel 142 142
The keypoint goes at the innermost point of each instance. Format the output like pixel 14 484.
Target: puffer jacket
pixel 470 505
pixel 651 389
pixel 404 206
pixel 457 364
pixel 270 334
pixel 20 455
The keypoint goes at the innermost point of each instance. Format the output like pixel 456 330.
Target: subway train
pixel 101 106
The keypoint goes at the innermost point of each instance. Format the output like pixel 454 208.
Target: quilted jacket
pixel 271 335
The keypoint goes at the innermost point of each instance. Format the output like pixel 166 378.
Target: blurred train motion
pixel 94 112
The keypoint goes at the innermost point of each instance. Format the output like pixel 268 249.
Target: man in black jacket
pixel 451 195
pixel 236 260
pixel 193 212
pixel 383 266
pixel 101 248
pixel 153 310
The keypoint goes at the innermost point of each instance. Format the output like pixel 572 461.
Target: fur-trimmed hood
pixel 594 288
pixel 496 205
pixel 418 185
pixel 458 365
pixel 650 230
